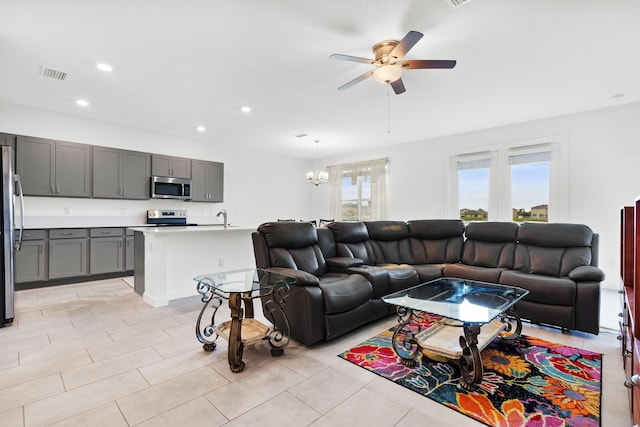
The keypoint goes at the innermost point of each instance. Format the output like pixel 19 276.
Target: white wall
pixel 259 186
pixel 604 171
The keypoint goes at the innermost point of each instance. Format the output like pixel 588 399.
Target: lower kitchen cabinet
pixel 106 250
pixel 67 258
pixel 128 252
pixel 59 255
pixel 30 261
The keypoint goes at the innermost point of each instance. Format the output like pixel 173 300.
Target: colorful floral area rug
pixel 526 382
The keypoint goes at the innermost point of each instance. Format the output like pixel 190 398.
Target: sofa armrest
pixel 344 262
pixel 586 273
pixel 302 277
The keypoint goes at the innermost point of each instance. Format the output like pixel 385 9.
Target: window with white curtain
pixel 359 191
pixel 513 182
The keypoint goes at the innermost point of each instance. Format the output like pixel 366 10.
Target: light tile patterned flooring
pixel 94 354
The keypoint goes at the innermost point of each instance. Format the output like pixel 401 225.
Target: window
pixel 359 191
pixel 473 184
pixel 530 186
pixel 515 182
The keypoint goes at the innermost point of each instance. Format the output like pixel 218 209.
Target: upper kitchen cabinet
pixel 8 140
pixel 170 166
pixel 120 174
pixel 207 182
pixel 53 168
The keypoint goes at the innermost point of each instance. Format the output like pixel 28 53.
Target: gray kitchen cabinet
pixel 106 253
pixel 170 166
pixel 128 253
pixel 30 261
pixel 53 168
pixel 68 253
pixel 207 181
pixel 120 174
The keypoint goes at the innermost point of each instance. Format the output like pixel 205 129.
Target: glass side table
pixel 240 288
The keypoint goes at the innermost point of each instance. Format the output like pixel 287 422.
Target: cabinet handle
pixel 128 241
pixel 627 354
pixel 51 189
pixel 67 234
pixel 620 315
pixel 57 188
pixel 27 235
pixel 124 192
pixel 105 232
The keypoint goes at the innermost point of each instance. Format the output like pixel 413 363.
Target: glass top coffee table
pixel 240 288
pixel 473 313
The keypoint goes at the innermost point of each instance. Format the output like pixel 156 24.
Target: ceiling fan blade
pixel 398 86
pixel 356 80
pixel 353 58
pixel 428 63
pixel 405 44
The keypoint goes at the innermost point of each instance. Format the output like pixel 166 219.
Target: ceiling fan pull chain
pixel 388 113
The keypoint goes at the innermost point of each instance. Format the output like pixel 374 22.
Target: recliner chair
pixel 322 304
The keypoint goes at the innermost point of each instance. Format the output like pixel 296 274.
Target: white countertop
pixel 191 229
pixel 136 222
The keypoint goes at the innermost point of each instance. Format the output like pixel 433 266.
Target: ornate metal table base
pixel 242 329
pixel 409 340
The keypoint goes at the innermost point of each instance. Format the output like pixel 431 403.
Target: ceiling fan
pixel 388 55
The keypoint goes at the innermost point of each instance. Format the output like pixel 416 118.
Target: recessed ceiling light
pixel 201 128
pixel 245 109
pixel 104 67
pixel 82 102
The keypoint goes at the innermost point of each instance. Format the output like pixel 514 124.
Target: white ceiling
pixel 179 64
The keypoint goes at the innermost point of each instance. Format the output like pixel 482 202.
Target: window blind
pixel 519 159
pixel 474 164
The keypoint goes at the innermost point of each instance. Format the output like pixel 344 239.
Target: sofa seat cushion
pixel 428 272
pixel 543 289
pixel 343 292
pixel 401 276
pixel 472 272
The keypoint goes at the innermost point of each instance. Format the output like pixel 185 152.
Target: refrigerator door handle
pixel 18 244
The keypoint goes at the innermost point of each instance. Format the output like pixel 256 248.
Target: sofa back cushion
pixel 293 245
pixel 552 249
pixel 352 240
pixel 389 242
pixel 435 241
pixel 490 244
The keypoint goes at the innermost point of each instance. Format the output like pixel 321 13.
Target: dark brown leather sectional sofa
pixel 343 270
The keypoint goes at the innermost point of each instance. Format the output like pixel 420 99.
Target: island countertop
pixel 190 228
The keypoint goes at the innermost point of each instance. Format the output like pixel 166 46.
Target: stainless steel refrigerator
pixel 11 238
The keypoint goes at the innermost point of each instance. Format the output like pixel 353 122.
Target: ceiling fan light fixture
pixel 388 73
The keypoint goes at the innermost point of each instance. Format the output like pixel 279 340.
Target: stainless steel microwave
pixel 167 187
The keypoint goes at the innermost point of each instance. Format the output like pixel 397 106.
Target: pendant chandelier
pixel 317 177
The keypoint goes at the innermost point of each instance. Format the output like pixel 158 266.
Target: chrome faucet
pixel 223 212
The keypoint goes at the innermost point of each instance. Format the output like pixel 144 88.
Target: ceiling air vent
pixel 456 3
pixel 52 73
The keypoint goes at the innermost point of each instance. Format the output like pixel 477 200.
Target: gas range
pixel 168 218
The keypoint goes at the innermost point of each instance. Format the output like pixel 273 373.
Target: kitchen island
pixel 168 258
